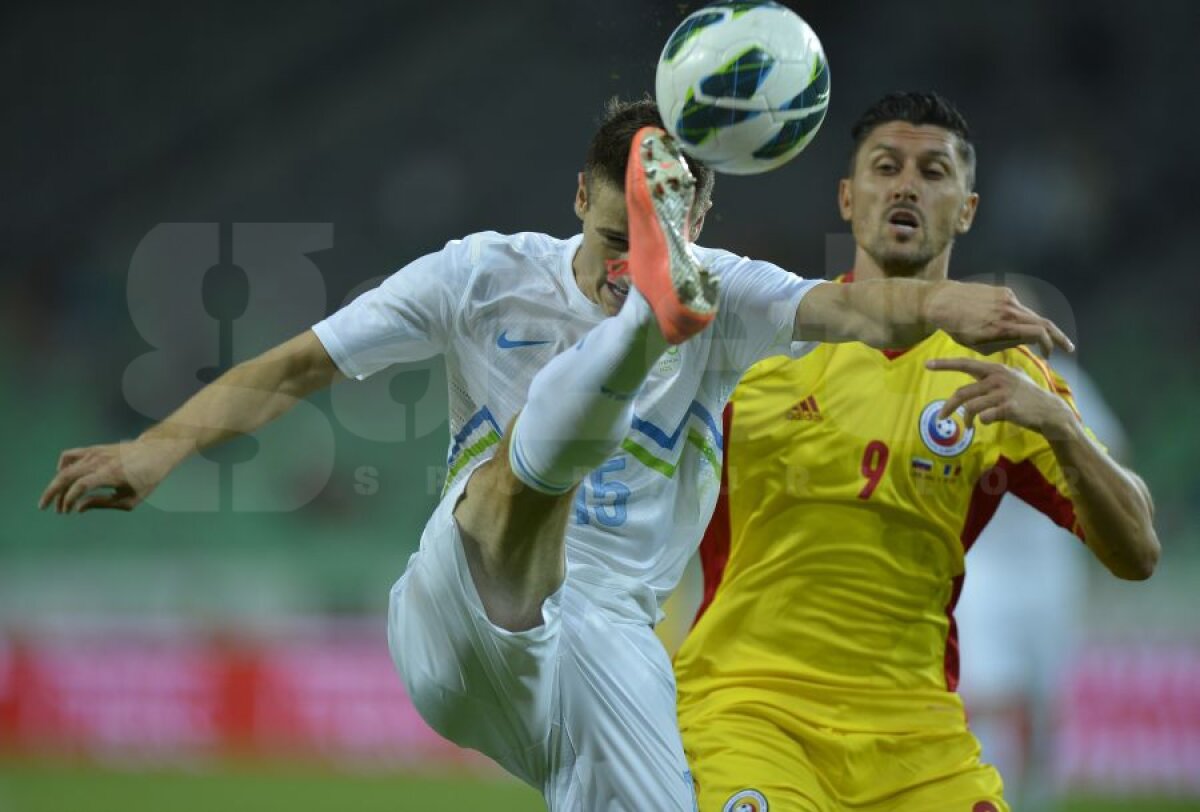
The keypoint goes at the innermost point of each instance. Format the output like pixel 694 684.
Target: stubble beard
pixel 905 266
pixel 905 263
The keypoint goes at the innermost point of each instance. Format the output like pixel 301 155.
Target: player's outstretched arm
pixel 1113 504
pixel 897 313
pixel 253 393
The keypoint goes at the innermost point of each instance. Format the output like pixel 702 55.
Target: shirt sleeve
pixel 757 309
pixel 1033 473
pixel 409 317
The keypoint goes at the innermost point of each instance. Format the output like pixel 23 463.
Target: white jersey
pixel 499 307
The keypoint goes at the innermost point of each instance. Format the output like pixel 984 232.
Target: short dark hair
pixel 609 151
pixel 917 108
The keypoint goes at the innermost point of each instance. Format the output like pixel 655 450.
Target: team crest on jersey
pixel 947 437
pixel 668 363
pixel 748 800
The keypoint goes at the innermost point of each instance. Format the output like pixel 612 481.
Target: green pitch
pixel 40 787
pixel 1139 805
pixel 28 787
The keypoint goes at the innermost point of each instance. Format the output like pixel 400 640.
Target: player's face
pixel 908 197
pixel 600 205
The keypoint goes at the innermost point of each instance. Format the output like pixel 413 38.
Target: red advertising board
pixel 150 697
pixel 1130 721
pixel 1128 716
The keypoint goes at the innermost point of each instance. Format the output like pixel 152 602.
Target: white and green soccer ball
pixel 743 86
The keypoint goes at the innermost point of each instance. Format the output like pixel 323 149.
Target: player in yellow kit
pixel 820 675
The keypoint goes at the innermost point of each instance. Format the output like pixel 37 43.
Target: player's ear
pixel 966 213
pixel 698 221
pixel 845 199
pixel 581 198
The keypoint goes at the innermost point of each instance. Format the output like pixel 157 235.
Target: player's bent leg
pixel 513 537
pixel 479 685
pixel 580 405
pixel 580 706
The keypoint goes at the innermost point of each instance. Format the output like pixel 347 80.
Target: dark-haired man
pixel 583 456
pixel 820 675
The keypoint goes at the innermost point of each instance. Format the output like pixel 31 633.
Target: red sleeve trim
pixel 714 547
pixel 985 498
pixel 1026 481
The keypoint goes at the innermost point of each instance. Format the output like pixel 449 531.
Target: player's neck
pixel 866 268
pixel 588 287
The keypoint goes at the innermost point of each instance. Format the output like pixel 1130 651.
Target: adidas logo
pixel 806 409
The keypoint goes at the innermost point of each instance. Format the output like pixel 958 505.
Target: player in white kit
pixel 584 459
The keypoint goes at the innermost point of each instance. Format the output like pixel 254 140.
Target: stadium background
pixel 384 129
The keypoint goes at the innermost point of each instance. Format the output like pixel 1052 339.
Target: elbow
pixel 1148 561
pixel 1141 565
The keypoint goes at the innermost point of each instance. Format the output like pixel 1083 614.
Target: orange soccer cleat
pixel 659 192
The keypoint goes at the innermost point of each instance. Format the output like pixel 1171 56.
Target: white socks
pixel 580 404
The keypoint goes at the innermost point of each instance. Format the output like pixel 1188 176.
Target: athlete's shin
pixel 580 404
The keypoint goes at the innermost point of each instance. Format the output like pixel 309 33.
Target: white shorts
pixel 581 707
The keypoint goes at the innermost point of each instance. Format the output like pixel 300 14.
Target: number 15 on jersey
pixel 601 498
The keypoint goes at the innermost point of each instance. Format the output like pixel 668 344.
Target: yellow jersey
pixel 835 556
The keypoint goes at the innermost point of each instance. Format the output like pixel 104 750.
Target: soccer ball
pixel 743 86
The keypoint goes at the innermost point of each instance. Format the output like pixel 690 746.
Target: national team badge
pixel 669 361
pixel 946 438
pixel 748 800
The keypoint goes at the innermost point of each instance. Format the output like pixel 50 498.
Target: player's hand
pixel 116 476
pixel 987 318
pixel 1001 393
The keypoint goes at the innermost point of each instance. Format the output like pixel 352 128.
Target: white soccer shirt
pixel 499 307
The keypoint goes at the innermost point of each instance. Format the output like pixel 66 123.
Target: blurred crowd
pixel 391 128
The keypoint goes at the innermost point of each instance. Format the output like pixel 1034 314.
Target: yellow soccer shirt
pixel 836 553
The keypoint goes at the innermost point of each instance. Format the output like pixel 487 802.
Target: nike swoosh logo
pixel 506 343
